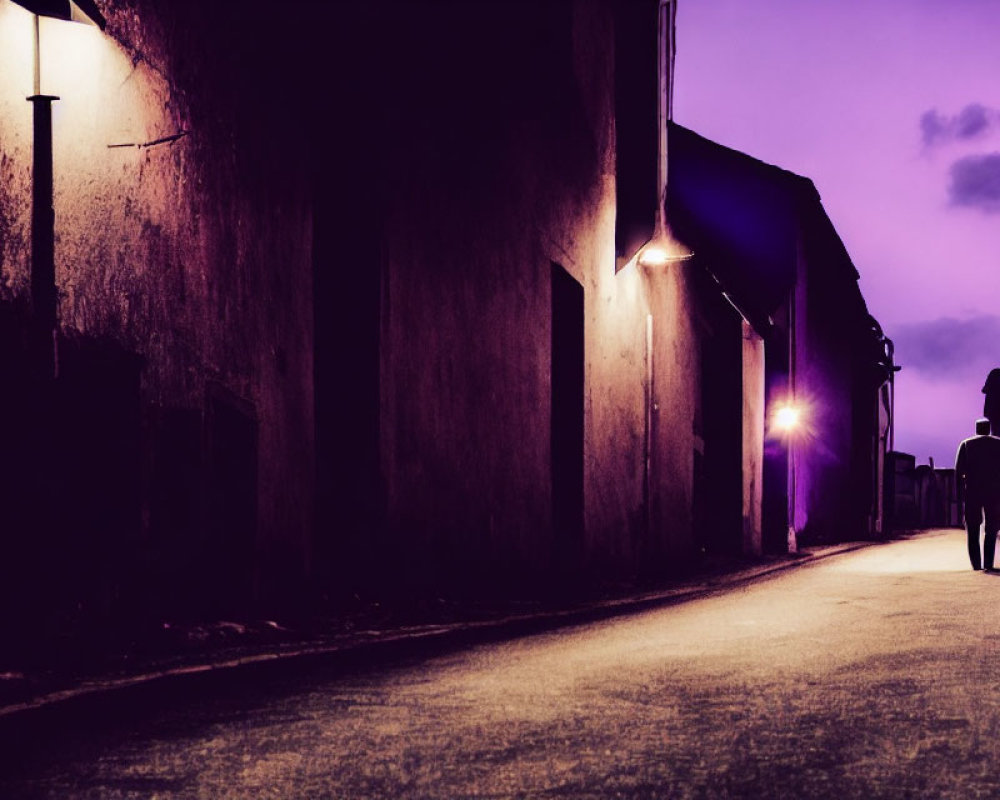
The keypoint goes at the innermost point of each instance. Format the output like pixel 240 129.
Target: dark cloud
pixel 950 347
pixel 975 182
pixel 971 122
pixel 933 128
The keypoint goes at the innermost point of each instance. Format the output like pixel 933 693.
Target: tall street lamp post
pixel 43 273
pixel 788 420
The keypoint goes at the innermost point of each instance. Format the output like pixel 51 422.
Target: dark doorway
pixel 722 399
pixel 176 498
pixel 231 432
pixel 717 492
pixel 567 416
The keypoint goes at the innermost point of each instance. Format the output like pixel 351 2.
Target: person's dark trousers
pixel 989 548
pixel 973 533
pixel 991 512
pixel 973 519
pixel 975 512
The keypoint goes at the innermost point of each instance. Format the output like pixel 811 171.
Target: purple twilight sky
pixel 892 108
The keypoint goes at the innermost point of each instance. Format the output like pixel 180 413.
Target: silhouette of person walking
pixel 977 469
pixel 991 406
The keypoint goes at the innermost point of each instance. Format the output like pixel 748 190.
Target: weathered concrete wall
pixel 481 203
pixel 676 396
pixel 643 361
pixel 489 200
pixel 348 257
pixel 465 316
pixel 192 254
pixel 616 309
pixel 643 379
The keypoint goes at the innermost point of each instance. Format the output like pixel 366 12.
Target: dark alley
pixel 424 398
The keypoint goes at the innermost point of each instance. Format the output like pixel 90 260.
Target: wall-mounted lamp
pixel 43 283
pixel 663 249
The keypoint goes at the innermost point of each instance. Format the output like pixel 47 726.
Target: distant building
pixel 764 236
pixel 920 496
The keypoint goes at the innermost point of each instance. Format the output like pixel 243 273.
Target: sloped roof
pixel 743 219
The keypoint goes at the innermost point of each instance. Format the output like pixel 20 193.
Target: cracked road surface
pixel 874 673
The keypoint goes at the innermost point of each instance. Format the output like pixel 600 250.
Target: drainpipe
pixel 890 350
pixel 664 73
pixel 664 68
pixel 647 477
pixel 666 15
pixel 663 248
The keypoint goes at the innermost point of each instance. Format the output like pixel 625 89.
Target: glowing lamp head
pixel 653 255
pixel 787 418
pixel 662 249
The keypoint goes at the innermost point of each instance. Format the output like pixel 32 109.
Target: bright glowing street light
pixel 43 271
pixel 84 11
pixel 787 418
pixel 662 249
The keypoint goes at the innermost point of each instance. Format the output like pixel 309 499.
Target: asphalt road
pixel 874 673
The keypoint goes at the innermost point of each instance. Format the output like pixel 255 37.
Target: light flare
pixel 792 419
pixel 787 418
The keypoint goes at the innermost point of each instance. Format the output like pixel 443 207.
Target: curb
pixel 416 640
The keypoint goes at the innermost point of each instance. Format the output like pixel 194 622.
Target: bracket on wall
pixel 162 140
